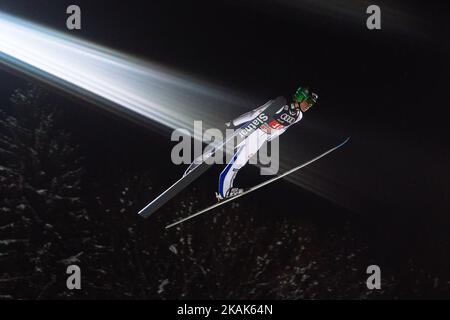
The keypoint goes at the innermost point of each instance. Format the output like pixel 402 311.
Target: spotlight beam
pixel 137 88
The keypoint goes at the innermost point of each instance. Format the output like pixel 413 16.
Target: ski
pixel 259 185
pixel 195 170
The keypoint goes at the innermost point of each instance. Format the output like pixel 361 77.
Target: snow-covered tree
pixel 40 188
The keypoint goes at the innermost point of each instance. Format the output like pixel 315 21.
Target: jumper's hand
pixel 228 124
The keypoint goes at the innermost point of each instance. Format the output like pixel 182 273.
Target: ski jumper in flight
pixel 275 125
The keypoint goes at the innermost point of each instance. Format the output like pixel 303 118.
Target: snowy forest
pixel 73 179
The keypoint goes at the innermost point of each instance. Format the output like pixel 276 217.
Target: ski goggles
pixel 310 100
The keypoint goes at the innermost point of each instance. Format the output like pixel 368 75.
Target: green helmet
pixel 304 94
pixel 301 94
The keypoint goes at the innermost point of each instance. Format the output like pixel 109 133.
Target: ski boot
pixel 233 192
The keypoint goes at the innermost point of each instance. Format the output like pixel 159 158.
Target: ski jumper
pixel 276 125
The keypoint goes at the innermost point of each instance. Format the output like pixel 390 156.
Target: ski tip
pixel 345 141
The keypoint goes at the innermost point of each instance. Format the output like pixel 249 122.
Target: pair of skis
pixel 164 197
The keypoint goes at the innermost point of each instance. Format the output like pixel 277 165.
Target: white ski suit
pixel 275 126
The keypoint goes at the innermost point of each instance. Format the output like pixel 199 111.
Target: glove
pixel 228 124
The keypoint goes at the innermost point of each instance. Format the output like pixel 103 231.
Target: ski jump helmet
pixel 305 94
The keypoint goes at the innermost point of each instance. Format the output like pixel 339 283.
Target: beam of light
pixel 138 88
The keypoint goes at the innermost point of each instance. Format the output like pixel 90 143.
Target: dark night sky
pixel 388 88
